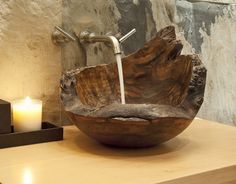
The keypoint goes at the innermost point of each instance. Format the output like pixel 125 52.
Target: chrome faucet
pixel 60 36
pixel 89 37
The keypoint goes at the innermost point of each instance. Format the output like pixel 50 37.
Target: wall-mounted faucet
pixel 89 37
pixel 59 36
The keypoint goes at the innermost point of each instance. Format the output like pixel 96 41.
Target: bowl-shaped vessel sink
pixel 163 89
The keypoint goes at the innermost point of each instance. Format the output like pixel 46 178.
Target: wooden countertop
pixel 204 153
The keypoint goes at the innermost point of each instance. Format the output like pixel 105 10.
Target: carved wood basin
pixel 163 89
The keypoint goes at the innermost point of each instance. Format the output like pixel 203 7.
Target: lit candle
pixel 27 115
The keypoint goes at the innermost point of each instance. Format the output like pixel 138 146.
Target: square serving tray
pixel 48 133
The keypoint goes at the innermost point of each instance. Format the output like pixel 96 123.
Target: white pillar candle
pixel 27 115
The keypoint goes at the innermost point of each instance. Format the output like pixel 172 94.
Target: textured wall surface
pixel 31 65
pixel 210 28
pixel 200 25
pixel 207 28
pixel 99 16
pixel 29 62
pixel 219 56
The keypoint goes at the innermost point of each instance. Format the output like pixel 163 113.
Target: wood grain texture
pixel 224 175
pixel 159 84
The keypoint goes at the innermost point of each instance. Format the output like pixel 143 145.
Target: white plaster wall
pixel 219 56
pixel 29 62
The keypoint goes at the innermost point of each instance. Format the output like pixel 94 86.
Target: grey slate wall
pixel 211 32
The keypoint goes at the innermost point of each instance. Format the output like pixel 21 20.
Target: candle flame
pixel 27 100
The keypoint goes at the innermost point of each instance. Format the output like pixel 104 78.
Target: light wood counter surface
pixel 204 153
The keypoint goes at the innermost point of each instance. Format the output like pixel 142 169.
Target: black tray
pixel 48 133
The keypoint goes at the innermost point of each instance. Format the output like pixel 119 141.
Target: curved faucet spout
pixel 88 37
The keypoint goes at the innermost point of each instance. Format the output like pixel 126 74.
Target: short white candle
pixel 27 115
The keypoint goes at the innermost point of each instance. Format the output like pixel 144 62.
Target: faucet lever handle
pixel 60 36
pixel 125 37
pixel 65 33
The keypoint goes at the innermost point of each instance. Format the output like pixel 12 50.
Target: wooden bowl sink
pixel 163 89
